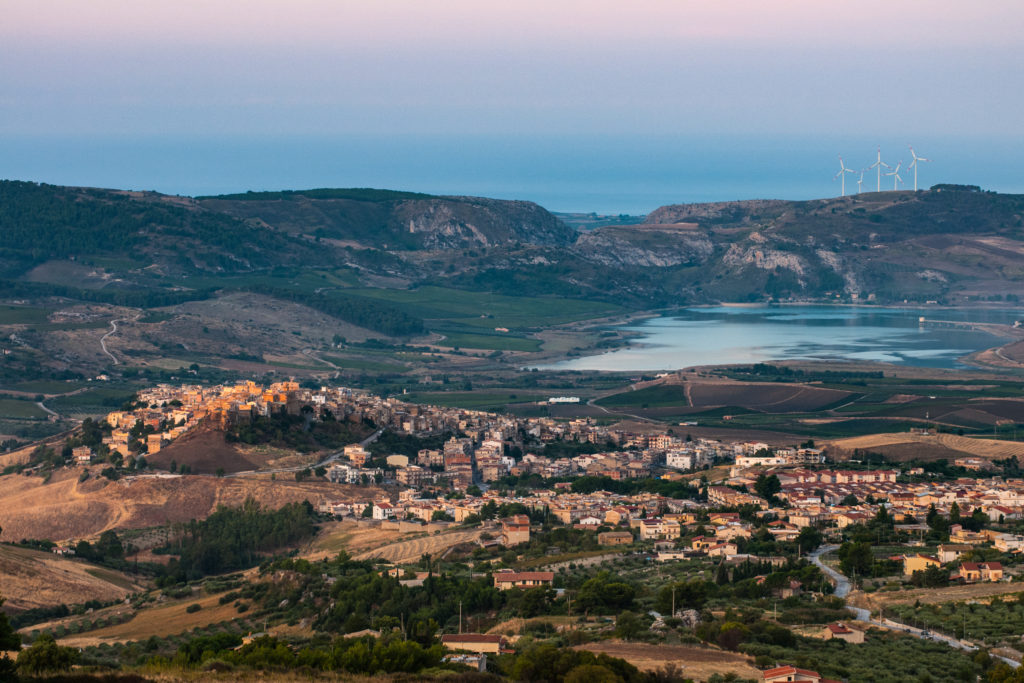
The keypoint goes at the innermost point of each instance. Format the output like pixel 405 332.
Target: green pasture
pixel 22 410
pixel 475 400
pixel 483 309
pixel 22 315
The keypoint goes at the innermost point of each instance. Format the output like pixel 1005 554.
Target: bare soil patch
pixel 413 549
pixel 205 451
pixel 66 509
pixel 975 591
pixel 697 662
pixel 31 578
pixel 165 620
pixel 982 448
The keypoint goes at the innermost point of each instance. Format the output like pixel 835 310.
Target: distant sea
pixel 574 173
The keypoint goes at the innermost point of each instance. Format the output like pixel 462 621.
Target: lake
pixel 754 334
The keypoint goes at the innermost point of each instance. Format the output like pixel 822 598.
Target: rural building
pixel 785 674
pixel 918 563
pixel 356 454
pixel 383 511
pixel 980 571
pixel 841 631
pixel 474 642
pixel 515 530
pixel 82 455
pixel 951 552
pixel 615 538
pixel 504 580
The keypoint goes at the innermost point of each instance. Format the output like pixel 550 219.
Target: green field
pixel 490 342
pixel 95 401
pixel 365 365
pixel 475 400
pixel 45 386
pixel 22 315
pixel 25 410
pixel 304 280
pixel 661 395
pixel 481 309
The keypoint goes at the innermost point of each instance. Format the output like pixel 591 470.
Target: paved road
pixel 842 584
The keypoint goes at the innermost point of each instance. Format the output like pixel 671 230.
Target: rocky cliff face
pixel 713 211
pixel 638 246
pixel 420 222
pixel 454 222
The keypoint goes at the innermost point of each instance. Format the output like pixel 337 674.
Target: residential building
pixel 506 579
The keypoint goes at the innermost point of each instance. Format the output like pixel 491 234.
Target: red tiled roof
pixel 471 638
pixel 783 670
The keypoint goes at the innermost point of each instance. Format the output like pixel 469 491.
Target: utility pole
pixel 673 600
pixel 460 617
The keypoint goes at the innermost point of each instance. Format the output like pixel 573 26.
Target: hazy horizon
pixel 602 174
pixel 580 105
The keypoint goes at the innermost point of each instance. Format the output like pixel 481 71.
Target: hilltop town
pixel 540 508
pixel 454 483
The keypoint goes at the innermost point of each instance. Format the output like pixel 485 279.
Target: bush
pixel 194 607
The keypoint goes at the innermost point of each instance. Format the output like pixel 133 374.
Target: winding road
pixel 103 339
pixel 843 587
pixel 298 468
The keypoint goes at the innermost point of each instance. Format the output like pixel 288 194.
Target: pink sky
pixel 322 66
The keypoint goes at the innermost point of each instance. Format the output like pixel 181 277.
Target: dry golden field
pixel 32 578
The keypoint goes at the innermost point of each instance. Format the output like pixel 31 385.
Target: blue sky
pixel 105 72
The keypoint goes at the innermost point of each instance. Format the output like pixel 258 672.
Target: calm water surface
pixel 726 334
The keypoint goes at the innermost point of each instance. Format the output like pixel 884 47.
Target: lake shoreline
pixel 744 333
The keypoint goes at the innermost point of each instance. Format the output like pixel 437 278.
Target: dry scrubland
pixel 976 591
pixel 31 578
pixel 364 541
pixel 697 663
pixel 65 509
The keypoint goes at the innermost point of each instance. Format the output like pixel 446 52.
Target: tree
pixel 109 546
pixel 721 574
pixel 809 538
pixel 856 558
pixel 46 655
pixel 368 511
pixel 628 626
pixel 10 640
pixel 767 486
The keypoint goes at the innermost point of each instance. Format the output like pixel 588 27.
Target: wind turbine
pixel 879 164
pixel 842 175
pixel 895 173
pixel 860 181
pixel 913 164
